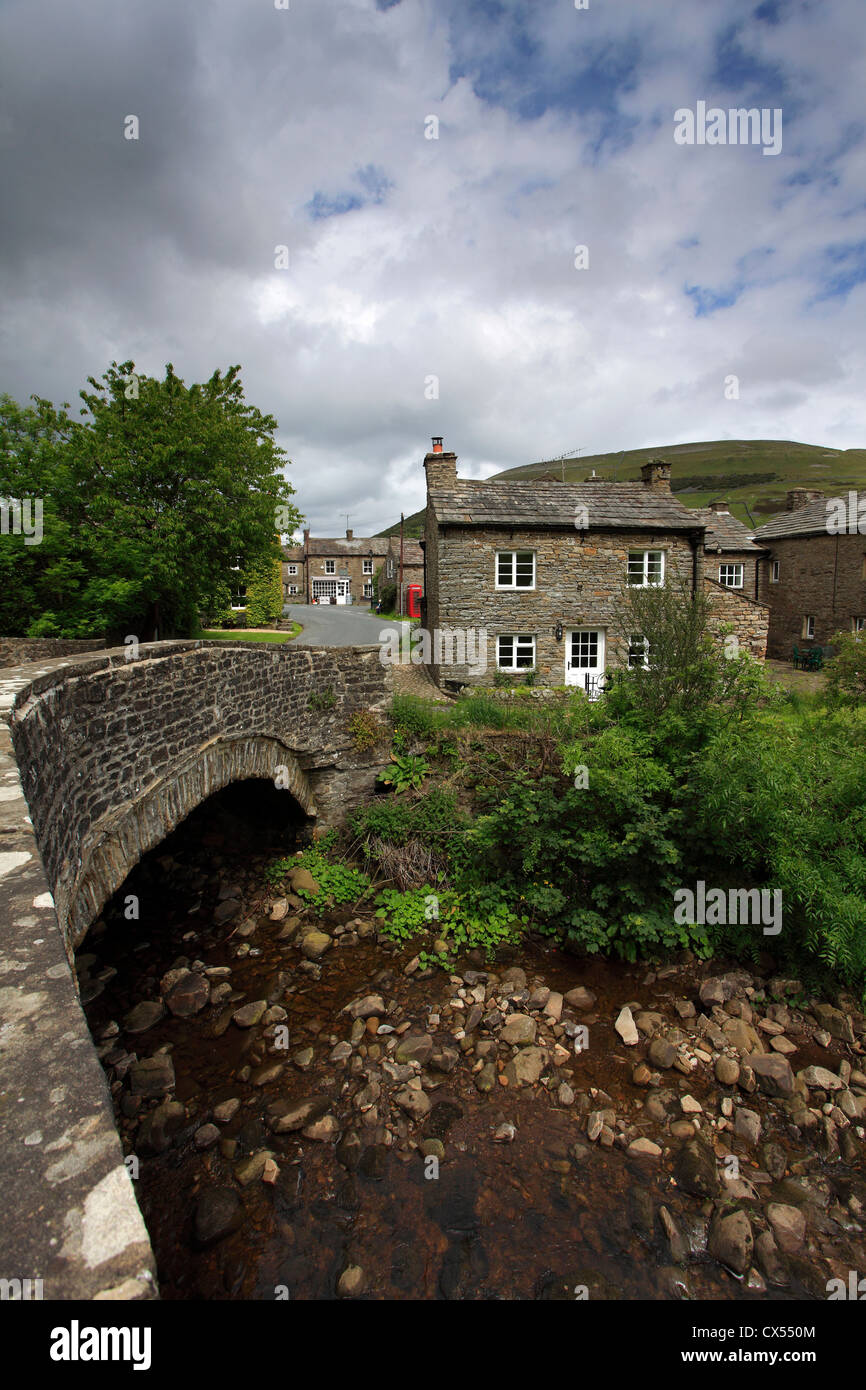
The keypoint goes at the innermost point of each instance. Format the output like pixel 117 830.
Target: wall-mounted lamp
pixel 559 632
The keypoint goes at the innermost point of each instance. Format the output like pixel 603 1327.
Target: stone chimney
pixel 721 507
pixel 441 468
pixel 798 497
pixel 657 475
pixel 349 535
pixel 306 536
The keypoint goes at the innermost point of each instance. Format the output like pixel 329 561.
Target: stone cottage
pixel 814 579
pixel 342 570
pixel 544 567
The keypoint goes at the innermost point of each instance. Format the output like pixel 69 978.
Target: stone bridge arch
pixel 100 757
pixel 116 843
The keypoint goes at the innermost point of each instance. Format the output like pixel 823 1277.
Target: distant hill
pixel 753 475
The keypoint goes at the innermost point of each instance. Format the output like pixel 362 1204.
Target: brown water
pixel 502 1220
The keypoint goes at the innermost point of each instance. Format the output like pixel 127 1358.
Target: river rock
pixel 662 1053
pixel 226 1110
pixel 581 998
pixel 351 1282
pixel 414 1102
pixel 218 1212
pixel 188 995
pixel 314 944
pixel 625 1026
pixel 302 881
pixel 152 1076
pixel 747 1126
pixel 519 1031
pixel 820 1078
pixel 285 1116
pixel 206 1136
pixel 324 1129
pixel 727 1071
pixel 250 1014
pixel 251 1169
pixel 160 1126
pixel 789 1226
pixel 644 1148
pixel 225 911
pixel 774 1073
pixel 695 1169
pixel 414 1047
pixel 837 1024
pixel 368 1006
pixel 731 1242
pixel 526 1066
pixel 677 1243
pixel 769 1260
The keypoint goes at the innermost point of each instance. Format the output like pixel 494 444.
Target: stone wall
pixel 16 651
pixel 580 582
pixel 748 559
pixel 821 576
pixel 100 757
pixel 749 619
pixel 114 753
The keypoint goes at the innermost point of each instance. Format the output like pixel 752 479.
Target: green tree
pixel 150 500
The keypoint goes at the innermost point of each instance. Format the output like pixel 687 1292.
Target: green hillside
pixel 753 475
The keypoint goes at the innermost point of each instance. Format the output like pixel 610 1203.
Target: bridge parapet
pixel 100 758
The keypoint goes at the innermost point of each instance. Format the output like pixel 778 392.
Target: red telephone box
pixel 413 600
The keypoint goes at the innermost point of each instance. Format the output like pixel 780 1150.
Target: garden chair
pixel 816 659
pixel 797 657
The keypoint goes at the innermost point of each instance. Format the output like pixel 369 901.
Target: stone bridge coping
pixel 70 1216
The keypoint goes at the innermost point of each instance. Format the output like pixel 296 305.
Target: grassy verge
pixel 241 635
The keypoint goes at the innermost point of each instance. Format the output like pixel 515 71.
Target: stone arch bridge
pixel 101 757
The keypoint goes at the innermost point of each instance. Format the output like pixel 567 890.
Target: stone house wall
pixel 822 576
pixel 580 582
pixel 749 619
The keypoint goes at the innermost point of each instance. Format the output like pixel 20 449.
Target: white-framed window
pixel 515 652
pixel 330 567
pixel 515 569
pixel 239 596
pixel 368 567
pixel 775 567
pixel 858 624
pixel 368 589
pixel 293 589
pixel 293 569
pixel 731 576
pixel 808 626
pixel 638 651
pixel 646 569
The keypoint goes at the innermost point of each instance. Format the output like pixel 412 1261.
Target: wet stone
pixel 144 1016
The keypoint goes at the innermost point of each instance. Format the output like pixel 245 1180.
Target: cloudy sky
pixel 413 258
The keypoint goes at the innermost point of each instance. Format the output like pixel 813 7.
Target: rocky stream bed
pixel 312 1115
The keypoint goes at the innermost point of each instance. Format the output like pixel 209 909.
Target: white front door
pixel 584 659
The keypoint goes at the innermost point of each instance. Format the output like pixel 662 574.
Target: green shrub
pixel 405 772
pixel 846 671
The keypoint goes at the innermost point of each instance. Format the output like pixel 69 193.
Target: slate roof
pixel 724 531
pixel 624 506
pixel 360 545
pixel 810 520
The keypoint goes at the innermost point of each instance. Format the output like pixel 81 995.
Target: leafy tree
pixel 149 502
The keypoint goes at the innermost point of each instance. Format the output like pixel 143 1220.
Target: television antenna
pixel 560 458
